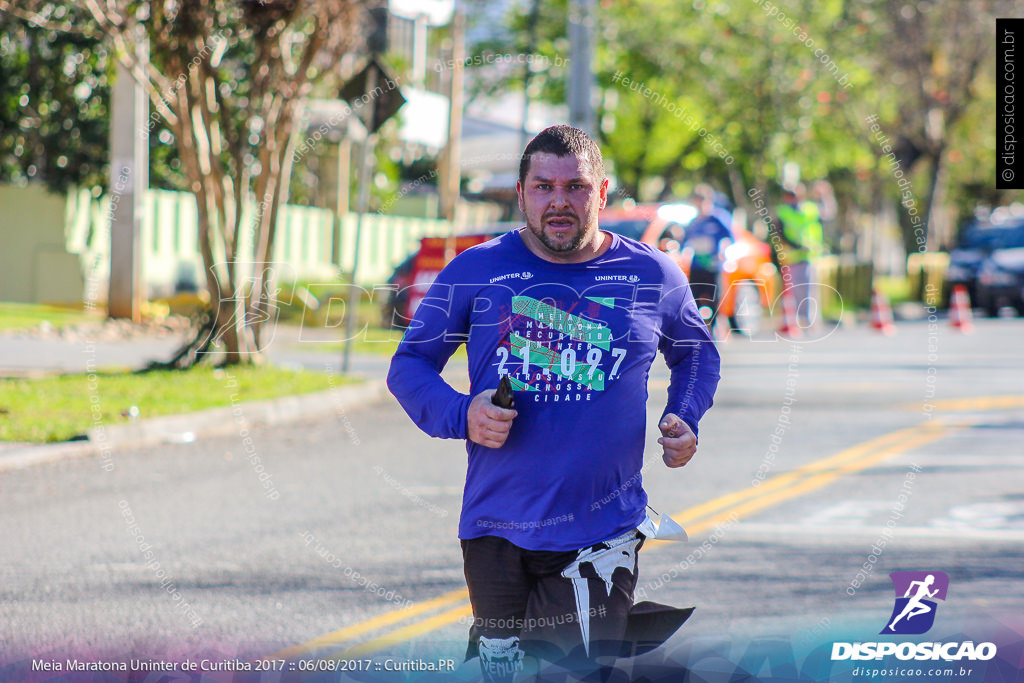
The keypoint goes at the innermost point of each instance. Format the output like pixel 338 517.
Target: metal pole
pixel 453 171
pixel 352 308
pixel 581 76
pixel 341 204
pixel 129 178
pixel 531 30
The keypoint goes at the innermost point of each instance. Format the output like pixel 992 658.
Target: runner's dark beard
pixel 572 245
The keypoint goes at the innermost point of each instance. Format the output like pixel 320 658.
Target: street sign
pixel 373 87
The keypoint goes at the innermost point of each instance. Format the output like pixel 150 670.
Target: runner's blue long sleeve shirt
pixel 577 342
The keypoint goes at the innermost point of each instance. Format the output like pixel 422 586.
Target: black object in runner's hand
pixel 503 395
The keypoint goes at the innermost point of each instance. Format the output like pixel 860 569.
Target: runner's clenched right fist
pixel 487 424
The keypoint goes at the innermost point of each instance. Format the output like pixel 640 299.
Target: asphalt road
pixel 186 551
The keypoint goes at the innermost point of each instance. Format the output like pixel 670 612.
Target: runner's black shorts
pixel 558 603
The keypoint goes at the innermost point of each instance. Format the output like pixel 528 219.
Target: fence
pixel 304 240
pixel 928 272
pixel 848 276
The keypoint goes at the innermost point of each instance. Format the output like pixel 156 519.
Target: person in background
pixel 722 206
pixel 823 197
pixel 705 240
pixel 799 227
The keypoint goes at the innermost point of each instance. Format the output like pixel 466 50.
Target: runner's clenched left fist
pixel 677 440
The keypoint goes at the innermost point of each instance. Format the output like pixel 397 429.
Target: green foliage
pixel 14 317
pixel 54 91
pixel 54 109
pixel 779 83
pixel 709 82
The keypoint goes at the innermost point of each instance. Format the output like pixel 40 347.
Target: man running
pixel 554 510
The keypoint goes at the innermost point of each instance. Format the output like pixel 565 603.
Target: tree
pixel 227 77
pixel 930 61
pixel 780 82
pixel 53 105
pixel 54 114
pixel 703 91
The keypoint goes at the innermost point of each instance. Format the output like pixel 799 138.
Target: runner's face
pixel 561 198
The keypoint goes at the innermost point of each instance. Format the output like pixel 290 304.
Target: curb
pixel 188 427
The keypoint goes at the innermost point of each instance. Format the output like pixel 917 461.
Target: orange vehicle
pixel 748 275
pixel 748 278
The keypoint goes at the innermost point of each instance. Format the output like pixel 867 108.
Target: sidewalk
pixel 23 355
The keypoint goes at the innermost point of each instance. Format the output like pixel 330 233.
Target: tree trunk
pixel 934 200
pixel 291 46
pixel 739 193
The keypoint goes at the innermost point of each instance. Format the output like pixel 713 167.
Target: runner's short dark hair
pixel 563 141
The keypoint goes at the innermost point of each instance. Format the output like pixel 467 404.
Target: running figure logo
pixel 916 592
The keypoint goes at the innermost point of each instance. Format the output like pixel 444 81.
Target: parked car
pixel 413 276
pixel 976 242
pixel 748 277
pixel 652 224
pixel 1000 275
pixel 395 312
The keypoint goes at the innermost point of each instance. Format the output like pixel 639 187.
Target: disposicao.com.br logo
pixel 914 611
pixel 914 614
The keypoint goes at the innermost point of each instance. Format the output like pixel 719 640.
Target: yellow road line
pixel 698 519
pixel 821 479
pixel 406 633
pixel 886 441
pixel 386 619
pixel 954 405
pixel 780 481
pixel 805 479
pixel 815 481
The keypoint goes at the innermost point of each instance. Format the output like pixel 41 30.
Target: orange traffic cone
pixel 790 325
pixel 881 313
pixel 960 310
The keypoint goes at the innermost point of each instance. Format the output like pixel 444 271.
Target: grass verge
pixel 61 407
pixel 15 317
pixel 374 340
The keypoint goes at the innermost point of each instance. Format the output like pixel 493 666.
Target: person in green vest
pixel 800 244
